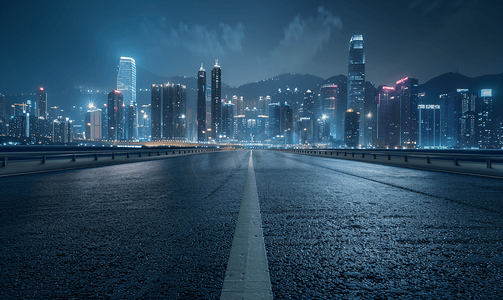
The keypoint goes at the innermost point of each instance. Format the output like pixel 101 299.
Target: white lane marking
pixel 247 275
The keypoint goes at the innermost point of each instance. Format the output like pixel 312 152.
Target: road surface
pixel 331 228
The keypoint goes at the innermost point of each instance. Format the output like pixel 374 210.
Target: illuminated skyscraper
pixel 156 112
pixel 484 108
pixel 351 125
pixel 116 116
pixel 126 84
pixel 328 96
pixel 388 117
pixel 201 104
pixel 406 91
pixel 356 78
pixel 216 100
pixel 42 103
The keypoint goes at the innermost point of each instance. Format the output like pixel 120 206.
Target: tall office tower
pixel 429 126
pixel 179 121
pixel 406 91
pixel 356 78
pixel 329 94
pixel 216 100
pixel 274 120
pixel 351 128
pixel 144 122
pixel 388 117
pixel 93 124
pixel 450 111
pixel 287 128
pixel 467 124
pixel 484 108
pixel 168 98
pixel 42 103
pixel 126 84
pixel 310 107
pixel 104 123
pixel 156 111
pixel 261 105
pixel 3 115
pixel 201 104
pixel 228 120
pixel 116 116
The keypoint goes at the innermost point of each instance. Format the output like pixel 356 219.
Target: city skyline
pixel 312 38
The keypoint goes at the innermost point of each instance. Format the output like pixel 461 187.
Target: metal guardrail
pixel 402 157
pixel 44 156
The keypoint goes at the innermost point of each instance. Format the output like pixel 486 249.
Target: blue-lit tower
pixel 356 79
pixel 126 84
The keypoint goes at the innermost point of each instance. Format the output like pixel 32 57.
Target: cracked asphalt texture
pixel 338 229
pixel 333 229
pixel 156 229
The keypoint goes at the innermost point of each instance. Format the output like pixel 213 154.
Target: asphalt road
pixel 333 229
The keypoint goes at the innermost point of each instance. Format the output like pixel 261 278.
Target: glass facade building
pixel 126 84
pixel 356 78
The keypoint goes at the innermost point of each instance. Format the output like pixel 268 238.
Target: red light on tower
pixel 41 88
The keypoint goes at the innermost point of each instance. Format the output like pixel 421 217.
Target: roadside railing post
pixel 456 161
pixel 139 154
pixel 127 155
pixel 345 154
pixel 113 155
pixel 96 157
pixel 489 163
pixel 5 160
pixel 374 156
pixel 405 158
pixel 363 155
pixel 74 157
pixel 389 156
pixel 43 159
pixel 353 154
pixel 428 159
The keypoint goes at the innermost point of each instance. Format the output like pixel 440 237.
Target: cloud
pixel 198 39
pixel 304 38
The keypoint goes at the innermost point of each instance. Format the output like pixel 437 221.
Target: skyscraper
pixel 201 104
pixel 328 97
pixel 356 78
pixel 42 103
pixel 179 121
pixel 388 117
pixel 406 91
pixel 429 126
pixel 93 124
pixel 156 112
pixel 216 100
pixel 116 116
pixel 484 108
pixel 351 125
pixel 126 84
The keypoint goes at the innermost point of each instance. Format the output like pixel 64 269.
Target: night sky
pixel 78 43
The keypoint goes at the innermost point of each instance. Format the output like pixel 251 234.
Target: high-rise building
pixel 467 124
pixel 329 94
pixel 274 120
pixel 388 117
pixel 310 107
pixel 351 127
pixel 104 123
pixel 93 124
pixel 126 84
pixel 156 112
pixel 450 106
pixel 228 120
pixel 429 126
pixel 179 121
pixel 201 105
pixel 116 116
pixel 216 100
pixel 42 103
pixel 3 115
pixel 484 108
pixel 144 122
pixel 356 78
pixel 406 90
